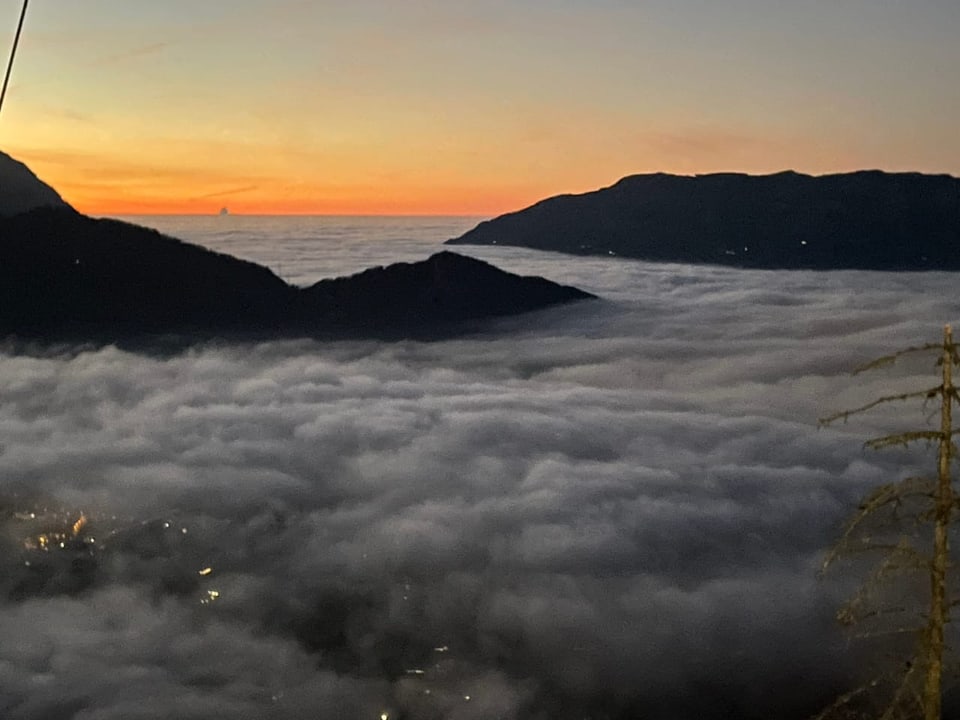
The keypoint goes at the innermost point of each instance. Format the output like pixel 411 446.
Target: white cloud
pixel 611 508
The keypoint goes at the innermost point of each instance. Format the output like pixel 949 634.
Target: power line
pixel 13 52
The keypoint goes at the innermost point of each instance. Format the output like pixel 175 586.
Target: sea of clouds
pixel 610 509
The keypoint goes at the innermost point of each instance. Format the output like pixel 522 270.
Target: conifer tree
pixel 919 510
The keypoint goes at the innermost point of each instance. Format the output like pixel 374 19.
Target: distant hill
pixel 21 190
pixel 864 220
pixel 420 297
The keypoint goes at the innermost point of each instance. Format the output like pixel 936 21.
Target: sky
pixel 456 107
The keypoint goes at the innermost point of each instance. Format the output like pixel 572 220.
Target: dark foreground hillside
pixel 867 220
pixel 67 277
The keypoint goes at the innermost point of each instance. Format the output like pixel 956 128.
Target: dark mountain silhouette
pixel 442 290
pixel 21 190
pixel 68 277
pixel 867 220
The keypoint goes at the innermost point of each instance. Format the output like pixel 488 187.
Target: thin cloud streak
pixel 221 193
pixel 133 54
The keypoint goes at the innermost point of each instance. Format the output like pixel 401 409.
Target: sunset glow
pixel 453 108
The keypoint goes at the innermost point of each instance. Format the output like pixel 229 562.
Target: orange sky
pixel 133 107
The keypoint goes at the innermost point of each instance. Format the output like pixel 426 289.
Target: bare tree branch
pixel 846 414
pixel 904 438
pixel 892 358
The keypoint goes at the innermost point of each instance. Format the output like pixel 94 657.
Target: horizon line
pixel 287 214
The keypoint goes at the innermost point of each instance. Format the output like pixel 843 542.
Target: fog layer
pixel 607 510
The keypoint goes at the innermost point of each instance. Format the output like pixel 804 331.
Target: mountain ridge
pixel 867 219
pixel 67 277
pixel 21 190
